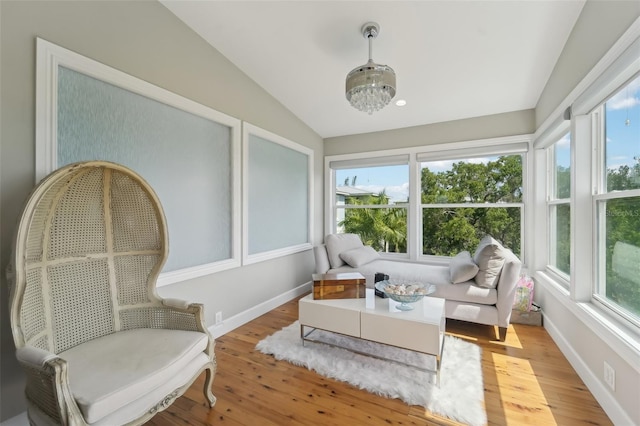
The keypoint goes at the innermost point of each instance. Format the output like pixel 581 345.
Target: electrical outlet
pixel 609 375
pixel 218 317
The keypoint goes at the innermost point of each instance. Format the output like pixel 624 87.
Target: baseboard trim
pixel 254 312
pixel 609 404
pixel 217 330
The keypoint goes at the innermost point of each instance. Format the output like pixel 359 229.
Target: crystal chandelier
pixel 370 87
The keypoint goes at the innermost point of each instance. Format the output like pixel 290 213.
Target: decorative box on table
pixel 345 285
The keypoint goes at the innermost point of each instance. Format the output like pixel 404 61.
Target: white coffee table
pixel 421 329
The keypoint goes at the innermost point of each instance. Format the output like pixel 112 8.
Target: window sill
pixel 559 277
pixel 619 336
pixel 425 260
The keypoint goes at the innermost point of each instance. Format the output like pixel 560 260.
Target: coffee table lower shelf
pixel 305 338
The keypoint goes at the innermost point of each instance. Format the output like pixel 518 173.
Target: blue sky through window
pixel 394 180
pixel 563 151
pixel 622 123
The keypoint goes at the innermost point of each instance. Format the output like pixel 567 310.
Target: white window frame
pixel 617 66
pixel 514 149
pixel 333 163
pixel 518 144
pixel 247 258
pixel 552 205
pixel 50 57
pixel 599 198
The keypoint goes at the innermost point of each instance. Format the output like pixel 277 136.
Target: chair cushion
pixel 489 257
pixel 359 256
pixel 462 268
pixel 108 373
pixel 338 243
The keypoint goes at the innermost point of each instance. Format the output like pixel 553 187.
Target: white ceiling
pixel 453 59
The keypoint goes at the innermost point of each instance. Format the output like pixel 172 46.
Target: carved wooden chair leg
pixel 207 387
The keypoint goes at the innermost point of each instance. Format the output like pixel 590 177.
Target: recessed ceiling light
pixel 401 102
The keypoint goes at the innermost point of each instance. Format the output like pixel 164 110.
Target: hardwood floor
pixel 527 380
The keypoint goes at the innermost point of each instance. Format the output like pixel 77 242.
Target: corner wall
pixel 599 26
pixel 144 39
pixel 586 338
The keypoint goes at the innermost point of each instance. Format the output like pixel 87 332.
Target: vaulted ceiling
pixel 453 59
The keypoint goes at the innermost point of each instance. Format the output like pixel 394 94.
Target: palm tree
pixel 384 229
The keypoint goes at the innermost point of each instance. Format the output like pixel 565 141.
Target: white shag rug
pixel 460 395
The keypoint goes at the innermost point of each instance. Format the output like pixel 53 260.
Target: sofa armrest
pixel 507 287
pixel 322 259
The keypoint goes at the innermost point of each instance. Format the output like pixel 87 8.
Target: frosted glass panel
pixel 186 159
pixel 278 209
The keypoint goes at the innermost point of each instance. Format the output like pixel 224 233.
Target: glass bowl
pixel 404 292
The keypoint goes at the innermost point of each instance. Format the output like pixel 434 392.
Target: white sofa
pixel 482 294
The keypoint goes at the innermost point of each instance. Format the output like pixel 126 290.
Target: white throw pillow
pixel 489 257
pixel 338 243
pixel 359 256
pixel 462 268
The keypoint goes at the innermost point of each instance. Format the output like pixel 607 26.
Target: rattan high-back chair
pixel 97 344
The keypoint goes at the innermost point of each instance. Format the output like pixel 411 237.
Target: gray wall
pixel 599 26
pixel 144 39
pixel 488 126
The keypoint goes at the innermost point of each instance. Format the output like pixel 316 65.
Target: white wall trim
pixel 51 56
pixel 250 258
pixel 216 330
pixel 609 404
pixel 622 341
pixel 192 272
pixel 255 311
pixel 273 254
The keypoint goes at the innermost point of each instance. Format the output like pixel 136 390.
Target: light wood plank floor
pixel 527 381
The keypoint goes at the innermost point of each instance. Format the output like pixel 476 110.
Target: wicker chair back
pixel 89 248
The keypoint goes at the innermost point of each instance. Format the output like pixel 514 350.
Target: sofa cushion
pixel 108 373
pixel 322 259
pixel 409 271
pixel 338 243
pixel 489 257
pixel 359 256
pixel 437 275
pixel 462 268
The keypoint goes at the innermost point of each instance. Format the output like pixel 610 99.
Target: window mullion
pixel 471 205
pixel 617 195
pixel 414 214
pixel 581 216
pixel 372 206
